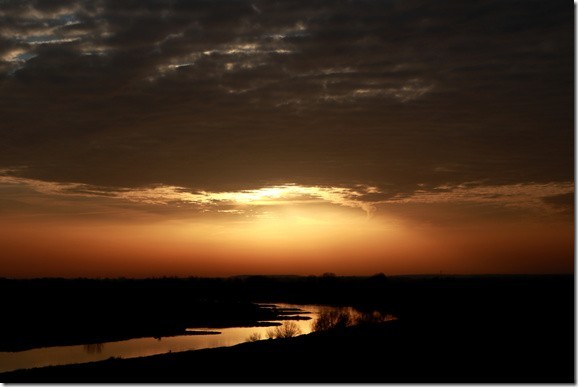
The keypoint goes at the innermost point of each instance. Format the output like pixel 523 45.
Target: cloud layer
pixel 552 201
pixel 230 96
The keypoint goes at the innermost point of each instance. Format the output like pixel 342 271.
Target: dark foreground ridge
pixel 450 329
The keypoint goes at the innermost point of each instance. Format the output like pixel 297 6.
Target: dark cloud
pixel 563 203
pixel 237 94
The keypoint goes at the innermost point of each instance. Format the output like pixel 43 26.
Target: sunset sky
pixel 222 137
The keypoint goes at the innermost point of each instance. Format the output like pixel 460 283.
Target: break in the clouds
pixel 235 96
pixel 545 200
pixel 25 191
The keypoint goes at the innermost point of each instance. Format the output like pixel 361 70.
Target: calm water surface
pixel 145 346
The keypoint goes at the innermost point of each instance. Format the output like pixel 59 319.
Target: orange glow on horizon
pixel 170 231
pixel 288 241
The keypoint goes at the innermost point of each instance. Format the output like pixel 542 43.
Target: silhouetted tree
pixel 345 317
pixel 288 329
pixel 256 336
pixel 329 319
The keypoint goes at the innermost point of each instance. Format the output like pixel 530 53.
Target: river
pixel 147 346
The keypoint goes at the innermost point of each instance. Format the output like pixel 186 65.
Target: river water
pixel 147 346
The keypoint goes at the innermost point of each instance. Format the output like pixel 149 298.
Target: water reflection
pixel 302 319
pixel 93 348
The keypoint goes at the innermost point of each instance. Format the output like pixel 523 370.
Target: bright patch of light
pixel 48 40
pixel 18 55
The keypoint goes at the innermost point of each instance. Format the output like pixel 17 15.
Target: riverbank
pixel 41 313
pixel 479 329
pixel 394 351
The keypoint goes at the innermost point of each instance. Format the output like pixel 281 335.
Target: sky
pixel 147 138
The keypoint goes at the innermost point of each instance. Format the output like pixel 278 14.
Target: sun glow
pixel 289 194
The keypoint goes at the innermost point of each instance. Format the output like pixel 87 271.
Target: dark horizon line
pixel 280 276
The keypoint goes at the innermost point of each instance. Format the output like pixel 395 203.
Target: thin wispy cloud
pixel 524 196
pixel 279 195
pixel 529 197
